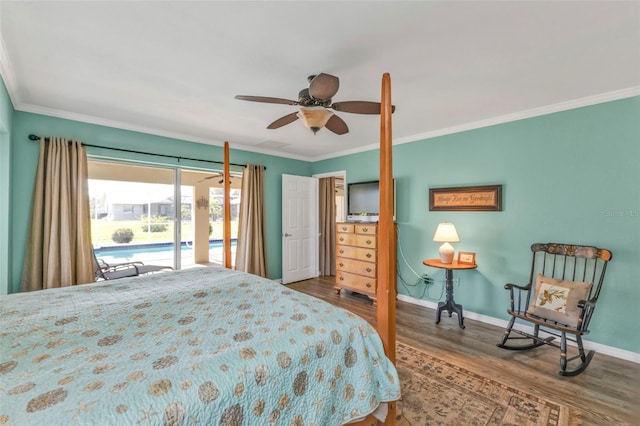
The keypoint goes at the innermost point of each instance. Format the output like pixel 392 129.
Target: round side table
pixel 449 304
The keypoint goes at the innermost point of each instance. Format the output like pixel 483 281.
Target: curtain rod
pixel 33 137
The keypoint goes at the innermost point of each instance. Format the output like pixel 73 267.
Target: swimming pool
pixel 159 253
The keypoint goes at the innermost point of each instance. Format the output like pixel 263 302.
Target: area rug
pixel 436 392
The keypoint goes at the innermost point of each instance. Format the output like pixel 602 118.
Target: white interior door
pixel 299 228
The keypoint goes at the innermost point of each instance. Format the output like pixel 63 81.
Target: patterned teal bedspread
pixel 206 346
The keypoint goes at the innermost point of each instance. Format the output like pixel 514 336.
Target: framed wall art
pixel 466 198
pixel 466 258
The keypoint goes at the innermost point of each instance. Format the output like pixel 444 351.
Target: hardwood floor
pixel 607 393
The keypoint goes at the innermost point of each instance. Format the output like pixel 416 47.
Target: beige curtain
pixel 59 246
pixel 250 246
pixel 327 225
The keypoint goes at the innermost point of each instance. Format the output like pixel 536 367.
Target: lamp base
pixel 446 253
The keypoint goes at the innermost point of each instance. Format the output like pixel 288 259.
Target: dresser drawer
pixel 344 227
pixel 356 257
pixel 365 229
pixel 346 239
pixel 367 241
pixel 357 253
pixel 358 267
pixel 356 283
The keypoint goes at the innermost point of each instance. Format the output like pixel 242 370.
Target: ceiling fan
pixel 315 102
pixel 217 175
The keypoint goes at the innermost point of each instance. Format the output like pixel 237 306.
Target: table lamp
pixel 446 233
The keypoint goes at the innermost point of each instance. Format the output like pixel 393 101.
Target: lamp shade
pixel 446 233
pixel 314 117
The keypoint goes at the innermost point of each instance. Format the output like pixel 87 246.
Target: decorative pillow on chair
pixel 557 300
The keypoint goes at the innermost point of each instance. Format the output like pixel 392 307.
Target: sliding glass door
pixel 202 216
pixel 158 215
pixel 132 213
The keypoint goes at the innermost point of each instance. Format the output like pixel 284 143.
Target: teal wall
pixel 25 153
pixel 570 177
pixel 6 123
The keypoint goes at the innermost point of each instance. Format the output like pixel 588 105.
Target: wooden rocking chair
pixel 559 300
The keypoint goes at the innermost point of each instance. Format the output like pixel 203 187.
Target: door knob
pixel 288 235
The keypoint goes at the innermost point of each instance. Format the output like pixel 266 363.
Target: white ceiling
pixel 173 68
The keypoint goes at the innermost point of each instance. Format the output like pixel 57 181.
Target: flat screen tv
pixel 363 201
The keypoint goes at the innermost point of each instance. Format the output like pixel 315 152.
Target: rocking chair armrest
pixel 516 299
pixel 511 286
pixel 586 311
pixel 583 304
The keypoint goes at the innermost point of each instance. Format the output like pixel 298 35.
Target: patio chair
pixel 559 300
pixel 107 271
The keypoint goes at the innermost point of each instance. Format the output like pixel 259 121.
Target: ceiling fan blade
pixel 266 99
pixel 210 177
pixel 359 107
pixel 324 86
pixel 282 121
pixel 337 125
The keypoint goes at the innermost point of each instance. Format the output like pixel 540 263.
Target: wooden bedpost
pixel 386 292
pixel 226 233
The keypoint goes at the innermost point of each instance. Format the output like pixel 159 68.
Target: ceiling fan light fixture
pixel 314 118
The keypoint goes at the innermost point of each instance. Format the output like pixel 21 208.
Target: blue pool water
pixel 159 251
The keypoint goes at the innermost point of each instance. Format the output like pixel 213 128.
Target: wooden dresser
pixel 357 258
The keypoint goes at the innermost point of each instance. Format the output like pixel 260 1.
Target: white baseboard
pixel 604 349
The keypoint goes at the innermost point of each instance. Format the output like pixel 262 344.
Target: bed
pixel 203 345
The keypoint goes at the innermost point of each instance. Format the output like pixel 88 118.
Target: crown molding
pixel 8 75
pixel 10 82
pixel 147 130
pixel 530 113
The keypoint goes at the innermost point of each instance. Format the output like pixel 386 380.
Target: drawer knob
pixel 341 251
pixel 341 278
pixel 341 264
pixel 368 269
pixel 368 241
pixel 368 285
pixel 365 229
pixel 368 255
pixel 344 228
pixel 341 238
